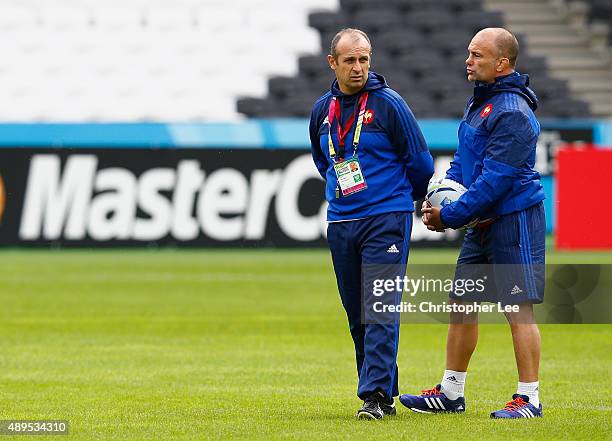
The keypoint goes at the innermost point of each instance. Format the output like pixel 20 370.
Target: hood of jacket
pixel 515 83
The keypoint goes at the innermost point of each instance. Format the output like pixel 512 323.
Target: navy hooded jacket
pixel 394 158
pixel 497 151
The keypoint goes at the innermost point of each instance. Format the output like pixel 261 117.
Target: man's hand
pixel 431 218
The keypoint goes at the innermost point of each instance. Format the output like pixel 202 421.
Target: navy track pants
pixel 377 240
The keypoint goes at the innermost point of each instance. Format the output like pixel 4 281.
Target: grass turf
pixel 254 345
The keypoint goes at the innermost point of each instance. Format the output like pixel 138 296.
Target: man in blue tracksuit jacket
pixel 370 151
pixel 495 162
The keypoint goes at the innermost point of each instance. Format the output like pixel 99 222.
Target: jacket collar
pixel 514 83
pixel 375 81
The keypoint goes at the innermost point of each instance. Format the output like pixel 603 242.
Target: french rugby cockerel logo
pixel 486 111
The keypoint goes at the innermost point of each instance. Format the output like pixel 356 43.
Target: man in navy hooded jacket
pixel 370 151
pixel 495 162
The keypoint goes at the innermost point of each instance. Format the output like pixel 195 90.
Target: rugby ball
pixel 441 192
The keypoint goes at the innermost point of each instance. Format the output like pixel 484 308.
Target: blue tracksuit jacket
pixel 392 152
pixel 496 155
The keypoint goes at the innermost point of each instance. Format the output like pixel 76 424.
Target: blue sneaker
pixel 432 401
pixel 519 407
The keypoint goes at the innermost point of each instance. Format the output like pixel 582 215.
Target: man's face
pixel 483 59
pixel 352 64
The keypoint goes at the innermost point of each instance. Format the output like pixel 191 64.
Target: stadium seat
pixel 299 106
pixel 453 106
pixel 352 6
pixel 396 42
pixel 255 107
pixel 601 11
pixel 451 41
pixel 531 64
pixel 442 86
pixel 422 62
pixel 472 20
pixel 167 18
pixel 463 6
pixel 326 21
pixel 563 108
pixel 550 88
pixel 428 21
pixel 398 79
pixel 136 49
pixel 377 20
pixel 422 106
pixel 15 16
pixel 452 5
pixel 382 62
pixel 281 87
pixel 313 65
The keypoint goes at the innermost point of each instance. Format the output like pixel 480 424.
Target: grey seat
pixel 377 20
pixel 259 107
pixel 327 21
pixel 396 42
pixel 472 20
pixel 313 65
pixel 428 21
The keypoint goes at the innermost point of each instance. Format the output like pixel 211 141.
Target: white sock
pixel 452 384
pixel 532 390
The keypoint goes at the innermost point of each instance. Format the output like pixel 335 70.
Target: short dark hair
pixel 341 33
pixel 508 46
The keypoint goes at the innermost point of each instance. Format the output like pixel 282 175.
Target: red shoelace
pixel 427 392
pixel 515 404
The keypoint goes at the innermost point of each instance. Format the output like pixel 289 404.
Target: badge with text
pixel 350 176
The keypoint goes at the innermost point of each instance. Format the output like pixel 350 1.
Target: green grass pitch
pixel 252 344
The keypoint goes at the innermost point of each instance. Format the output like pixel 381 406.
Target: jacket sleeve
pixel 405 133
pixel 454 172
pixel 315 145
pixel 507 150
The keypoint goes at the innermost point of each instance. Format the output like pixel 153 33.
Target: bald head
pixel 504 42
pixel 491 54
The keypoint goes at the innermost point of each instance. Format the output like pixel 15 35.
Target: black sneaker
pixel 370 411
pixel 388 409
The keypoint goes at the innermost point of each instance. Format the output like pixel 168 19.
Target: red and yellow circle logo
pixel 487 109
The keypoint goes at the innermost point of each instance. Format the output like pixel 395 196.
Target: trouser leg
pixel 347 266
pixel 385 254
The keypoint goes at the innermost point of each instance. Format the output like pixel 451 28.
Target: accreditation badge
pixel 350 176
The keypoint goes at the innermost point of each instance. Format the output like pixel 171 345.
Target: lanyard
pixel 334 113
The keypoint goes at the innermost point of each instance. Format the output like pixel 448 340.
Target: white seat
pixel 15 16
pixel 168 17
pixel 114 18
pixel 132 60
pixel 53 17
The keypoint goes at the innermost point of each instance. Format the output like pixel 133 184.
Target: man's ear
pixel 501 64
pixel 332 62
